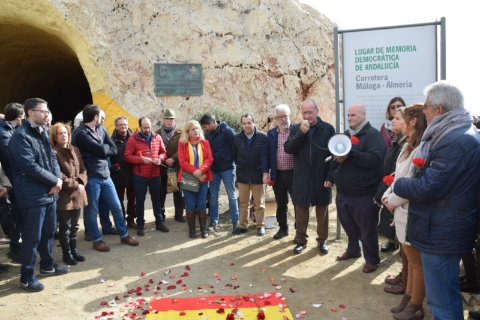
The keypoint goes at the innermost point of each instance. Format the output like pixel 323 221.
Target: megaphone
pixel 339 145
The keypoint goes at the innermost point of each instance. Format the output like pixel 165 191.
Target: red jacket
pixel 184 160
pixel 136 144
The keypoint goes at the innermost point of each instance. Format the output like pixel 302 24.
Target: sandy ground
pixel 315 278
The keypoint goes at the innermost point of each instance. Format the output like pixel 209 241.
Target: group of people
pixel 419 170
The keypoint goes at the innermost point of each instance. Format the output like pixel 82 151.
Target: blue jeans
pixel 103 213
pixel 140 185
pixel 37 236
pixel 100 188
pixel 196 200
pixel 441 285
pixel 228 178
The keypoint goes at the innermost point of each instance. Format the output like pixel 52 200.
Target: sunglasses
pixel 396 106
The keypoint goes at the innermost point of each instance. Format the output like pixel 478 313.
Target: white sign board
pixel 386 63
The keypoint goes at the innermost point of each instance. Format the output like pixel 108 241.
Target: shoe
pixel 280 234
pixel 261 231
pixel 129 241
pixel 32 284
pixel 88 236
pixel 390 246
pixel 132 225
pixel 73 247
pixel 202 220
pixel 55 271
pixel 101 246
pixel 395 289
pixel 191 224
pixel 295 240
pixel 394 281
pixel 239 230
pixel 323 248
pixel 369 267
pixel 403 304
pixel 161 227
pixel 180 219
pixel 235 226
pixel 346 256
pixel 67 254
pixel 299 248
pixel 140 232
pixel 475 314
pixel 412 311
pixel 112 232
pixel 212 225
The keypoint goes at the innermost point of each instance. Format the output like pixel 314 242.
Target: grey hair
pixel 282 108
pixel 120 118
pixel 312 101
pixel 445 94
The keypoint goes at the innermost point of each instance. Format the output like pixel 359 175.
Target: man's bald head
pixel 356 115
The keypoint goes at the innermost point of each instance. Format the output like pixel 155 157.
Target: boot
pixel 191 223
pixel 202 219
pixel 75 254
pixel 403 304
pixel 67 254
pixel 411 312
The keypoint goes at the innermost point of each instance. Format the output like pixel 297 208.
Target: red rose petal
pixel 117 298
pixel 232 264
pixel 342 306
pixel 187 267
pixel 151 280
pixel 334 309
pixel 103 303
pixel 126 295
pixel 139 289
pixel 171 287
pixel 179 281
pixel 182 313
pixel 267 303
pixel 145 312
pixel 221 310
pixel 143 274
pixel 292 291
pixel 213 292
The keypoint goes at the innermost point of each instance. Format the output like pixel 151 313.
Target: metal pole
pixel 337 105
pixel 443 49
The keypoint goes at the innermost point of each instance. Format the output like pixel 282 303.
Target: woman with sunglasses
pixel 386 130
pixel 410 306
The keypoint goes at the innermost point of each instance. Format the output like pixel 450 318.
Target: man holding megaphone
pixel 356 176
pixel 308 143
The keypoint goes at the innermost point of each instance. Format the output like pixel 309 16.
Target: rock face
pixel 255 54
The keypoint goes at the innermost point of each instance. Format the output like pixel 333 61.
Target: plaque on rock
pixel 173 79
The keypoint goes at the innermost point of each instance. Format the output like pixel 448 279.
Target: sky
pixel 463 48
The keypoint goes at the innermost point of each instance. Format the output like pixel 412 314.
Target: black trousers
pixel 68 224
pixel 282 188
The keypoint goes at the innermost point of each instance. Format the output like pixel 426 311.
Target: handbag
pixel 190 182
pixel 172 185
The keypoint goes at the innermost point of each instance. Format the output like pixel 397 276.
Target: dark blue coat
pixel 310 170
pixel 442 210
pixel 221 145
pixel 269 154
pixel 94 150
pixel 34 166
pixel 248 158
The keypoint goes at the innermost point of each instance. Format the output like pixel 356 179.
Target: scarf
pixel 167 133
pixel 195 153
pixel 439 127
pixel 357 129
pixel 388 125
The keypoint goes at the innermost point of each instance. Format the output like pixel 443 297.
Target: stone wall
pixel 255 53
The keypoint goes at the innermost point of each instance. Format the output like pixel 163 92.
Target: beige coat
pixel 400 214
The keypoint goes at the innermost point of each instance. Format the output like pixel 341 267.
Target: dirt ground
pixel 315 278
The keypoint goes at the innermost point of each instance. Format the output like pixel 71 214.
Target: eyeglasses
pixel 42 111
pixel 286 116
pixel 396 106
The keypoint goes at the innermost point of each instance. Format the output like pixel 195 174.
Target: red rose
pixel 230 316
pixel 388 180
pixel 419 162
pixel 261 315
pixel 271 183
pixel 139 153
pixel 354 140
pixel 117 164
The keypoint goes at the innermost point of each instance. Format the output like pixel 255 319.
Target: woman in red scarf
pixel 195 157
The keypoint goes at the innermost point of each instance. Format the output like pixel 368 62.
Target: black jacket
pixel 121 171
pixel 34 166
pixel 310 170
pixel 389 165
pixel 362 171
pixel 94 150
pixel 6 131
pixel 221 141
pixel 249 158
